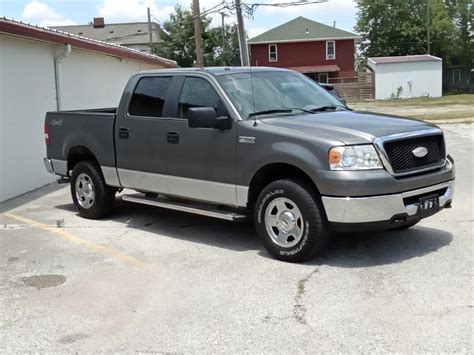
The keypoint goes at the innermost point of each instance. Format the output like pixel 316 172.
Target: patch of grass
pixel 445 115
pixel 59 223
pixel 461 99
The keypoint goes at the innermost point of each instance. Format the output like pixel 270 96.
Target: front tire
pixel 290 221
pixel 91 195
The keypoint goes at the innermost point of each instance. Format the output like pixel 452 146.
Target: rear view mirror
pixel 206 117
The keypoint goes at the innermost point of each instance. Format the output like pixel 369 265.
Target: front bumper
pixel 393 208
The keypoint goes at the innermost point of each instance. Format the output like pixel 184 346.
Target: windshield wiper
pixel 327 108
pixel 279 110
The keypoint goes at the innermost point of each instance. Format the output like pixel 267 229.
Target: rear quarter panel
pixel 93 130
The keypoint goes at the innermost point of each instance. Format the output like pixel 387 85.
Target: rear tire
pixel 290 221
pixel 92 196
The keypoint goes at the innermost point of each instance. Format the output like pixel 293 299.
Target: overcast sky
pixel 70 12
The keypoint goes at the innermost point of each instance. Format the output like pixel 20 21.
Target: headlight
pixel 354 157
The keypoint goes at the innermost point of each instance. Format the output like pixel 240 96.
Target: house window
pixel 323 78
pixel 272 53
pixel 330 50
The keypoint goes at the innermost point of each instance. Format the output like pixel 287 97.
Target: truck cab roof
pixel 214 70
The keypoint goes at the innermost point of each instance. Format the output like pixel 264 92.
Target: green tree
pixel 178 44
pixel 462 13
pixel 394 27
pixel 227 49
pixel 443 31
pixel 390 27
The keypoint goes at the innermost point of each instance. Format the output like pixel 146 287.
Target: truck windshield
pixel 276 92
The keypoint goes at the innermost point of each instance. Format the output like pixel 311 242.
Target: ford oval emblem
pixel 420 152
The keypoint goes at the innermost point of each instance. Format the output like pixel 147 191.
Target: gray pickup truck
pixel 234 142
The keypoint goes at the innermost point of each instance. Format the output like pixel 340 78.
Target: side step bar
pixel 190 207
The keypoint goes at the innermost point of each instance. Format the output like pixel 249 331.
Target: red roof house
pixel 317 50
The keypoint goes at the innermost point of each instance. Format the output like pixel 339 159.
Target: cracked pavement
pixel 154 280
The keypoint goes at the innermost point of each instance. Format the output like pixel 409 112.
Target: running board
pixel 190 207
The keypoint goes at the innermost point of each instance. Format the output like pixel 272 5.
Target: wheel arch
pixel 276 171
pixel 77 154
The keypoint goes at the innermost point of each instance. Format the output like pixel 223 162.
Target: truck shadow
pixel 164 223
pixel 359 249
pixel 348 250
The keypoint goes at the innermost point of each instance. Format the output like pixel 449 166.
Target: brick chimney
pixel 99 22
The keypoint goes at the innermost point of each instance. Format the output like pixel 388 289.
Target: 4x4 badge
pixel 420 152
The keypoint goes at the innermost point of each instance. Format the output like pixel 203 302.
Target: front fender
pixel 306 159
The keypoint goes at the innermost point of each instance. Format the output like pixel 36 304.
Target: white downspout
pixel 57 60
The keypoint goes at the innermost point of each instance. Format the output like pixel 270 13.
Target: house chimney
pixel 99 22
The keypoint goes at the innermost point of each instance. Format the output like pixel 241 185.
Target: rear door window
pixel 197 92
pixel 149 97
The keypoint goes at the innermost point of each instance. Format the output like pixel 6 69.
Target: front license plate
pixel 428 206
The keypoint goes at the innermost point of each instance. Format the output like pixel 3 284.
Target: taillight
pixel 47 136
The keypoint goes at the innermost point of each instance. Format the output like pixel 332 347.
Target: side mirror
pixel 206 117
pixel 332 90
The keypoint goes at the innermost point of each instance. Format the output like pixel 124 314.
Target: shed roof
pixel 16 28
pixel 119 33
pixel 404 59
pixel 302 29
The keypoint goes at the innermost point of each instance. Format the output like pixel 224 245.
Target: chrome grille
pixel 401 157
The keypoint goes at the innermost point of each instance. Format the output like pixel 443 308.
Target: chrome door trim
pixel 110 176
pixel 195 189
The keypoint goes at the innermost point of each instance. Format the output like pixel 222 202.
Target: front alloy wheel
pixel 290 220
pixel 284 222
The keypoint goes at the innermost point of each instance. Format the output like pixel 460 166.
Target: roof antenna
pixel 334 24
pixel 255 123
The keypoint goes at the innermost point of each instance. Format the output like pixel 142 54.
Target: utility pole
pixel 198 33
pixel 428 34
pixel 224 15
pixel 149 28
pixel 244 54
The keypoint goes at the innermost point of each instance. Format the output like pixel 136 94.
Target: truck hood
pixel 350 127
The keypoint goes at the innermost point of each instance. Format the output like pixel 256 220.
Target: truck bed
pixel 71 130
pixel 92 110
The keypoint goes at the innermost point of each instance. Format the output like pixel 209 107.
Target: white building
pixel 44 70
pixel 407 76
pixel 134 35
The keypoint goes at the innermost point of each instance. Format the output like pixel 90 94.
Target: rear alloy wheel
pixel 290 221
pixel 91 195
pixel 85 193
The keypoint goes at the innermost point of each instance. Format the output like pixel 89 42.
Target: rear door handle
pixel 173 137
pixel 123 133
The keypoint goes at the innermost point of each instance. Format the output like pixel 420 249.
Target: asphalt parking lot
pixel 154 280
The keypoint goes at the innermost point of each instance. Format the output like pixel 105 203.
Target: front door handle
pixel 124 133
pixel 173 137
